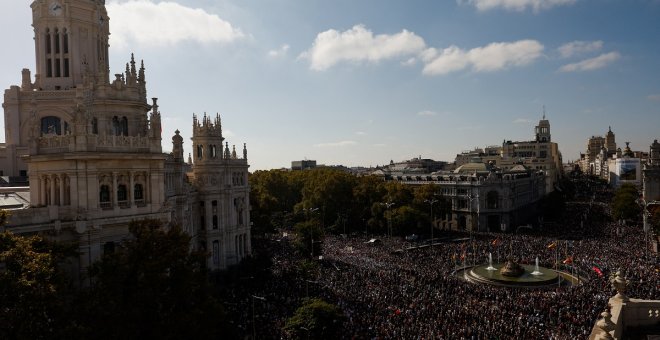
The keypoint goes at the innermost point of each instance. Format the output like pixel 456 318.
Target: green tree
pixel 624 203
pixel 316 319
pixel 367 191
pixel 272 194
pixel 309 235
pixel 329 190
pixel 153 287
pixel 32 287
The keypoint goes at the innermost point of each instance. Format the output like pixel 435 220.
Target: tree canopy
pixel 316 319
pixel 341 202
pixel 154 287
pixel 624 204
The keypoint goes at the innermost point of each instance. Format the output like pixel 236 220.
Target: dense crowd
pixel 417 294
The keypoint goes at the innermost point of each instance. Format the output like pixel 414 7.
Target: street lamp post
pixel 254 329
pixel 431 202
pixel 388 205
pixel 311 232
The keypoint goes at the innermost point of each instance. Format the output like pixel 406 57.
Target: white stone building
pixel 541 153
pixel 91 147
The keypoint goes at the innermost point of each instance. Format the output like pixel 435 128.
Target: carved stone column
pixel 60 180
pixel 52 189
pixel 131 189
pixel 42 190
pixel 115 203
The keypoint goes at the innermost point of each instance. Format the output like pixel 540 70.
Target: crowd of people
pixel 416 293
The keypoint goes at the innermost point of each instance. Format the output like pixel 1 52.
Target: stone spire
pixel 227 153
pixel 177 146
pixel 245 151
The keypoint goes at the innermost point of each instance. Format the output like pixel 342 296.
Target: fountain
pixel 513 274
pixel 490 262
pixel 536 268
pixel 512 268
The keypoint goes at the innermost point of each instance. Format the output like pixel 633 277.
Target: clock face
pixel 55 8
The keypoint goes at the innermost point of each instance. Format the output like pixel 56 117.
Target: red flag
pixel 597 270
pixel 496 242
pixel 568 260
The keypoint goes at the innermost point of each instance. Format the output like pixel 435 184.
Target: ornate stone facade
pixel 91 147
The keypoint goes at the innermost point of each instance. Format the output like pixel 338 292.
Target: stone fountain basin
pixel 481 274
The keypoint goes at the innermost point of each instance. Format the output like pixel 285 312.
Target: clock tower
pixel 71 42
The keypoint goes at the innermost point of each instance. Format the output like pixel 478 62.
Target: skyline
pixel 344 84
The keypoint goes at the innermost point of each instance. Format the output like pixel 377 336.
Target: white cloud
pixel 522 121
pixel 579 47
pixel 492 57
pixel 654 97
pixel 280 52
pixel 166 23
pixel 592 64
pixel 516 5
pixel 427 113
pixel 410 62
pixel 336 144
pixel 360 133
pixel 359 44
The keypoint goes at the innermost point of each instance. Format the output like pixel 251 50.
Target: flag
pixel 496 242
pixel 463 256
pixel 552 245
pixel 568 260
pixel 597 270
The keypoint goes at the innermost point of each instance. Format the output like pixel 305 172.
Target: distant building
pixel 624 169
pixel 303 165
pixel 416 165
pixel 538 154
pixel 483 197
pixel 651 174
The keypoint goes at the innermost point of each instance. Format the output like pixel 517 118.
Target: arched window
pixel 202 216
pixel 216 253
pixel 124 126
pixel 49 49
pixel 57 41
pixel 51 126
pixel 138 192
pixel 492 200
pixel 116 129
pixel 104 196
pixel 200 151
pixel 122 195
pixel 65 41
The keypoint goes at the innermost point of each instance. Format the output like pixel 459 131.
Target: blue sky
pixel 365 82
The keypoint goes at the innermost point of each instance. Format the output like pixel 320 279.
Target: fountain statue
pixel 512 269
pixel 490 262
pixel 536 268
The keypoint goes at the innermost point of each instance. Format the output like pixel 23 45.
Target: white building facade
pixel 91 147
